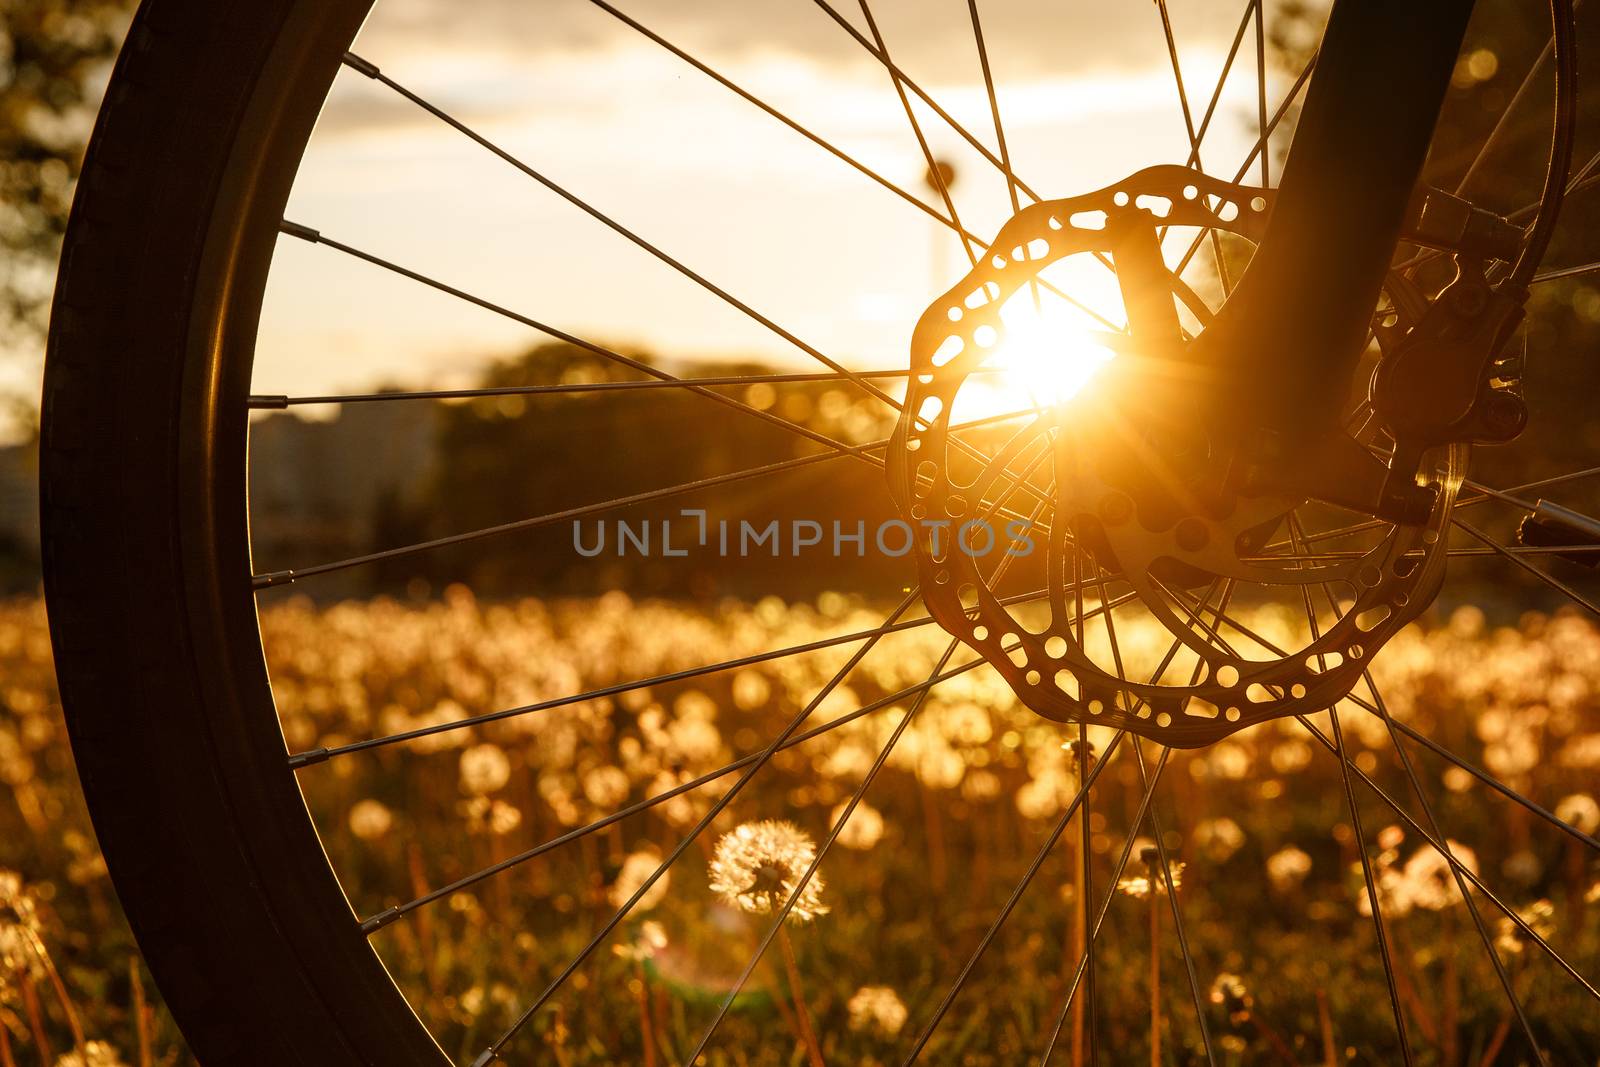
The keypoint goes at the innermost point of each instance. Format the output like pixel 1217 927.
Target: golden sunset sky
pixel 1086 92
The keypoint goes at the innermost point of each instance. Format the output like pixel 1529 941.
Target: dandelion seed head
pixel 1287 868
pixel 1539 917
pixel 980 786
pixel 877 1008
pixel 751 690
pixel 1229 992
pixel 941 767
pixel 1513 754
pixel 484 769
pixel 1229 759
pixel 370 819
pixel 636 870
pixel 693 704
pixel 15 898
pixel 93 1054
pixel 606 786
pixel 1218 838
pixel 1293 755
pixel 504 818
pixel 1427 880
pixel 757 866
pixel 1581 811
pixel 1142 886
pixel 864 829
pixel 651 938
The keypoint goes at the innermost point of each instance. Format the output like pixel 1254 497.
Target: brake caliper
pixel 1449 380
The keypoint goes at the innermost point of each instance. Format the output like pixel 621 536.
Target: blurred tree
pixel 510 457
pixel 54 58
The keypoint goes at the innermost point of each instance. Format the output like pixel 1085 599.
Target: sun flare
pixel 1048 355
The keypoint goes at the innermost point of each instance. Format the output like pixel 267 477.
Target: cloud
pixel 500 59
pixel 929 38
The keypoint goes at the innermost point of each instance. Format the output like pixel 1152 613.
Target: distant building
pixel 318 489
pixel 321 490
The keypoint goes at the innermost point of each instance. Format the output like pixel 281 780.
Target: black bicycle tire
pixel 146 565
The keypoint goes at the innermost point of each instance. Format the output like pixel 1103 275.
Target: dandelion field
pixel 1286 965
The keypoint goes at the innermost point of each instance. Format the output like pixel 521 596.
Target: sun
pixel 1049 354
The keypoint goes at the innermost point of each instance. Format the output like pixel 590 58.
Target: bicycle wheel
pixel 237 852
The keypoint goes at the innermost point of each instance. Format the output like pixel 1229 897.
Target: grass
pixel 1286 967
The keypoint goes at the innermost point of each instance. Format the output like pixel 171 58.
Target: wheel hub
pixel 1145 503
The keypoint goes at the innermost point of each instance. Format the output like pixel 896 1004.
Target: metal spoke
pixel 1404 816
pixel 493 1051
pixel 1085 856
pixel 1216 93
pixel 1456 867
pixel 1260 147
pixel 1092 924
pixel 1509 912
pixel 1427 811
pixel 310 757
pixel 1194 137
pixel 1105 903
pixel 371 70
pixel 825 145
pixel 1172 901
pixel 1085 837
pixel 1177 73
pixel 1453 553
pixel 1444 753
pixel 362 66
pixel 1554 583
pixel 1527 550
pixel 967 236
pixel 389 915
pixel 849 809
pixel 994 107
pixel 1582 179
pixel 1155 819
pixel 1011 902
pixel 1580 271
pixel 312 236
pixel 916 89
pixel 1503 122
pixel 1373 899
pixel 1505 495
pixel 1488 779
pixel 277 402
pixel 934 173
pixel 283 577
pixel 1545 483
pixel 1261 90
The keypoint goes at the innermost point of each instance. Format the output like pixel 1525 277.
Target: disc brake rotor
pixel 1104 544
